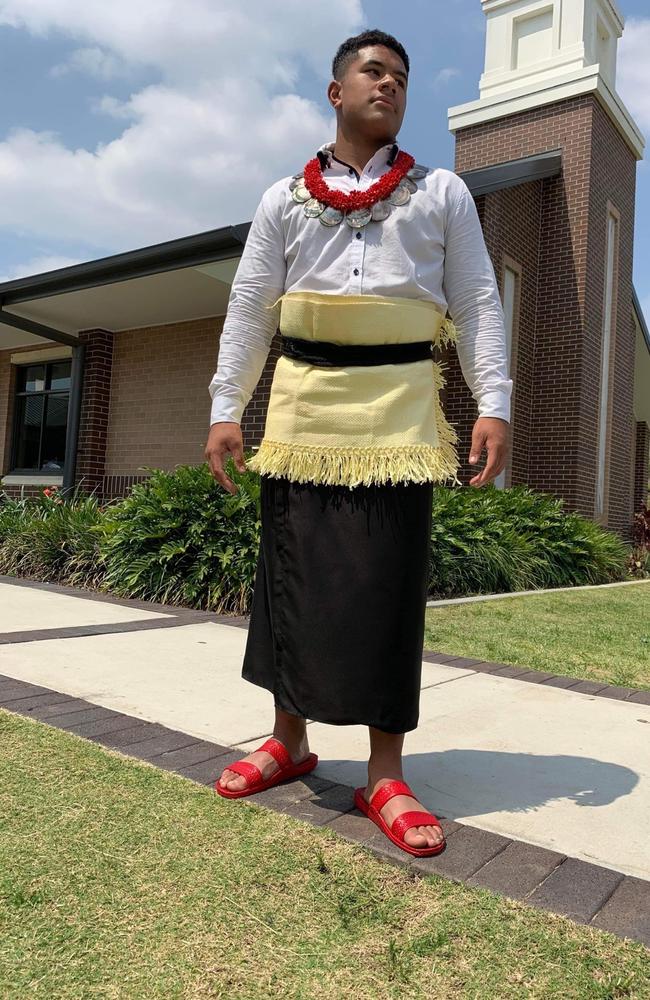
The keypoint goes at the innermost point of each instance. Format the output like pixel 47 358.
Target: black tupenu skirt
pixel 337 621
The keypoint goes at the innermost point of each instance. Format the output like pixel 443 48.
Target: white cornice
pixel 491 5
pixel 582 81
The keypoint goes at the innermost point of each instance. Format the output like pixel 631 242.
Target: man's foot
pixel 417 836
pixel 267 764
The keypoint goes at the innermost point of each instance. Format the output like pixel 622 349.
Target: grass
pixel 601 635
pixel 122 881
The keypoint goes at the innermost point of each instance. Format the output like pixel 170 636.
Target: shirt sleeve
pixel 472 295
pixel 250 323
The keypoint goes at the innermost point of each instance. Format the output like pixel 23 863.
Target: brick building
pixel 104 366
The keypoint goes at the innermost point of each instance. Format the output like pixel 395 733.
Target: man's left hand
pixel 491 433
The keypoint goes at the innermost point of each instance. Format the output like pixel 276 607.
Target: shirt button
pixel 356 270
pixel 359 236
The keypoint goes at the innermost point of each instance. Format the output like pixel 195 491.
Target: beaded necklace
pixel 358 208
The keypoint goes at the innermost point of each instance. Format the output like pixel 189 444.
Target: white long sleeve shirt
pixel 431 248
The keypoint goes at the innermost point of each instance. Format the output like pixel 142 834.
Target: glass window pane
pixel 60 375
pixel 30 411
pixel 33 379
pixel 56 421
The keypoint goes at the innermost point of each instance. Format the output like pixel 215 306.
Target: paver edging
pixel 186 616
pixel 588 894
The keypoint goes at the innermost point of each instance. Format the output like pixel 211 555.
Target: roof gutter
pixel 641 318
pixel 202 248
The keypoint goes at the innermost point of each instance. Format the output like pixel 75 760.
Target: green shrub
pixel 51 539
pixel 639 558
pixel 180 538
pixel 489 540
pixel 13 512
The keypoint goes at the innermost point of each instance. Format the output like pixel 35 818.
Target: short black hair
pixel 348 49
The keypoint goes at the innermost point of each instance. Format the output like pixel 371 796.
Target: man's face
pixel 371 95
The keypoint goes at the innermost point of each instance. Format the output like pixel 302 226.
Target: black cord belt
pixel 328 355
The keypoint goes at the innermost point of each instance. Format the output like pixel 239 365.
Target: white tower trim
pixel 541 51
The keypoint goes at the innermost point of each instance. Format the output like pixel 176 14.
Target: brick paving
pixel 588 894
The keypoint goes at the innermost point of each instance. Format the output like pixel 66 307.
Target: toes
pixel 433 834
pixel 423 836
pixel 229 779
pixel 414 838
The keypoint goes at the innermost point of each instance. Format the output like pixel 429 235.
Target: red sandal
pixel 401 823
pixel 256 783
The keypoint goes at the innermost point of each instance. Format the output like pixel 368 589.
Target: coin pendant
pixel 400 195
pixel 358 218
pixel 410 184
pixel 330 216
pixel 300 194
pixel 380 211
pixel 294 182
pixel 417 172
pixel 313 208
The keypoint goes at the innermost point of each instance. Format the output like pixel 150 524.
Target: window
pixel 611 257
pixel 510 286
pixel 42 395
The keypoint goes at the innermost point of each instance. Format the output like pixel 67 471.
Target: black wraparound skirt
pixel 337 620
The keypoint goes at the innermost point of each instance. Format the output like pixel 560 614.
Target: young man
pixel 364 250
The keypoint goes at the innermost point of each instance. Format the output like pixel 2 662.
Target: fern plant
pixel 180 538
pixel 497 541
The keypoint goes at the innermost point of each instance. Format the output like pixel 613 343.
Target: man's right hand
pixel 225 438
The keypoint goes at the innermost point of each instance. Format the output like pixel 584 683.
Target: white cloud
pixel 443 76
pixel 39 265
pixel 94 62
pixel 633 70
pixel 198 147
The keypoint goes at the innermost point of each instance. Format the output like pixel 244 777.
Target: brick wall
pixel 145 402
pixel 641 465
pixel 94 414
pixel 160 404
pixel 511 223
pixel 558 355
pixel 159 400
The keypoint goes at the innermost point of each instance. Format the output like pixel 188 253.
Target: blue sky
pixel 121 127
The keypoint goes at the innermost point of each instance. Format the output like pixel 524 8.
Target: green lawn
pixel 601 635
pixel 121 881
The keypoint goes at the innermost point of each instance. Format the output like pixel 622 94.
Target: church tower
pixel 549 152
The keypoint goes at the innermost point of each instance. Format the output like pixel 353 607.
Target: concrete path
pixel 555 768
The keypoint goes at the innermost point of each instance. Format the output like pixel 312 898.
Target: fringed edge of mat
pixel 447 334
pixel 355 466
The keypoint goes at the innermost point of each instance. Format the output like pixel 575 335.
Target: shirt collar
pixel 384 157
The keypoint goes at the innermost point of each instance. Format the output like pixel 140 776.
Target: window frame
pixel 607 351
pixel 47 364
pixel 504 479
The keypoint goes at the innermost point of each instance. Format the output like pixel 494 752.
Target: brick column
pixel 93 420
pixel 641 465
pixel 556 231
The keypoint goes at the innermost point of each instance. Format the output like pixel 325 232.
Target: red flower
pixel 313 178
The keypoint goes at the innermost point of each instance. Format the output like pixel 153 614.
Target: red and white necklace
pixel 358 208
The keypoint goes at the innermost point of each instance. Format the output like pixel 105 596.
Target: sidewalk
pixel 563 770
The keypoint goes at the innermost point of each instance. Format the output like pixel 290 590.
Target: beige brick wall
pixel 159 403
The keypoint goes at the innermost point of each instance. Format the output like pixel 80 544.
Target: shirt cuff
pixel 495 404
pixel 224 410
